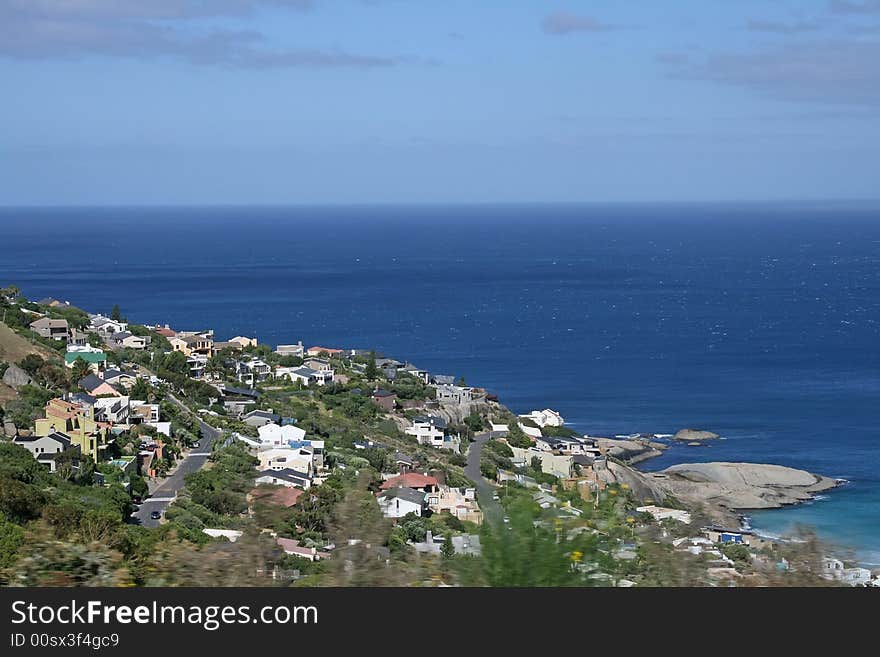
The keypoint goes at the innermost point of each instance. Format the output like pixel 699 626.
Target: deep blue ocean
pixel 758 322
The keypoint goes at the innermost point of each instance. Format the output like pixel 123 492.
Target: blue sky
pixel 349 101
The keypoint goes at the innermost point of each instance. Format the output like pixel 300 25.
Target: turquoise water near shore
pixel 759 322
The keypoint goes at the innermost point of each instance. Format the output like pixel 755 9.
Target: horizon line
pixel 427 204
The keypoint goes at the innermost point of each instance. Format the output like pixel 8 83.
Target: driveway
pixel 167 491
pixel 485 490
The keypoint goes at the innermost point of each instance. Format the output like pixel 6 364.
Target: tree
pixel 116 314
pixel 447 550
pixel 80 370
pixel 372 371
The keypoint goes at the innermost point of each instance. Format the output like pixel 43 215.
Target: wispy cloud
pixel 833 71
pixel 561 23
pixel 159 28
pixel 797 27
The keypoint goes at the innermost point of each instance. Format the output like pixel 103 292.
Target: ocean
pixel 757 321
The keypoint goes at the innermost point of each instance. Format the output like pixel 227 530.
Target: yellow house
pixel 179 344
pixel 77 422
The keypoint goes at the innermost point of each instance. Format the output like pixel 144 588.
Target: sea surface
pixel 758 322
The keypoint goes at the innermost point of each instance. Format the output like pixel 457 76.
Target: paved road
pixel 167 491
pixel 485 490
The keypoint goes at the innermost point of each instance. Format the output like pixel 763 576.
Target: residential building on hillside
pixel 45 448
pixel 54 329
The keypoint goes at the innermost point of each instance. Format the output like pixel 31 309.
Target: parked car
pixel 156 515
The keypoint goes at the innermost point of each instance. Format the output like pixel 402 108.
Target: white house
pixel 545 418
pixel 397 502
pixel 449 394
pixel 836 570
pixel 45 448
pixel 106 326
pixel 427 430
pixel 286 458
pixel 273 435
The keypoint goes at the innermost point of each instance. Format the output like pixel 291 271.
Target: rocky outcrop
pixel 691 435
pixel 15 377
pixel 631 451
pixel 742 486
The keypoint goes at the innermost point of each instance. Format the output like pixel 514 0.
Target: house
pixel 428 430
pixel 455 394
pixel 466 544
pixel 459 502
pixel 77 421
pixel 287 477
pixel 290 350
pixel 45 448
pixel 320 351
pixel 286 458
pixel 78 338
pixel 165 331
pixel 106 326
pixel 97 387
pixel 272 434
pixel 412 370
pixel 54 329
pixel 718 534
pixel 243 341
pixel 118 378
pixel 558 465
pixel 662 513
pixel 259 418
pixel 293 548
pixel 129 340
pixel 384 398
pixel 563 444
pixel 305 375
pixel 114 410
pixel 142 412
pixel 403 462
pixel 96 360
pixel 193 342
pixel 398 502
pixel 318 364
pixel 545 418
pixel 238 400
pixel 253 371
pixel 416 480
pixel 835 569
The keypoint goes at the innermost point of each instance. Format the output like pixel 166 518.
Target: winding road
pixel 167 491
pixel 485 490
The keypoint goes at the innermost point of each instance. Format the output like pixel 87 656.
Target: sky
pixel 164 102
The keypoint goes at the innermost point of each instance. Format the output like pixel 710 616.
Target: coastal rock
pixel 691 435
pixel 15 377
pixel 741 485
pixel 643 486
pixel 631 451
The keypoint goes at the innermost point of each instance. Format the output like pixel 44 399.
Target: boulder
pixel 15 377
pixel 691 435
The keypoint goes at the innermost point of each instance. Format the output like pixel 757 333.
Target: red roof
pixel 320 349
pixel 410 480
pixel 167 332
